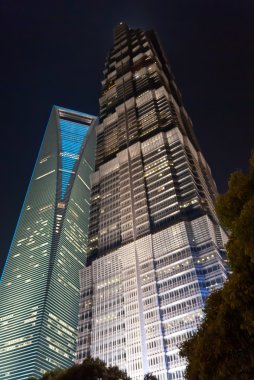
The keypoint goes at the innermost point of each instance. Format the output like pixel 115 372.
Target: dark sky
pixel 53 53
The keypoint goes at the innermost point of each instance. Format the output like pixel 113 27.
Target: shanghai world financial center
pixel 118 244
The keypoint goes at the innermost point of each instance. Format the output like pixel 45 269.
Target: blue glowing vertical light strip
pixel 72 138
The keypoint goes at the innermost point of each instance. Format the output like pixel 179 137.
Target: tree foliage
pixel 90 369
pixel 223 347
pixel 150 376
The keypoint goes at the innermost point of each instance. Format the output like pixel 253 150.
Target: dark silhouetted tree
pixel 223 347
pixel 150 376
pixel 90 369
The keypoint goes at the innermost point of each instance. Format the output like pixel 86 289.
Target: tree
pixel 57 374
pixel 90 369
pixel 223 347
pixel 150 376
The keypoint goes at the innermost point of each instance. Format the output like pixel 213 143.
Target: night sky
pixel 53 52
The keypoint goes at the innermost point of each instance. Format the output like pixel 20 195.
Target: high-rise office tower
pixel 39 293
pixel 155 245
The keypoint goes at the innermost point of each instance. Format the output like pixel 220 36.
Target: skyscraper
pixel 156 249
pixel 39 292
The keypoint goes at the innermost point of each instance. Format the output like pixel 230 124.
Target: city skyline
pixel 211 58
pixel 112 241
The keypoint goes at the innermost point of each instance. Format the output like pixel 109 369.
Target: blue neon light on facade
pixel 72 138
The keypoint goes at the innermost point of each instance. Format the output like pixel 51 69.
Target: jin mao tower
pixel 156 249
pixel 39 293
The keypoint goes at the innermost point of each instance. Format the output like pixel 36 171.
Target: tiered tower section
pixel 156 249
pixel 39 292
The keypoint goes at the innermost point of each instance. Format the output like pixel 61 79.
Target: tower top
pixel 120 28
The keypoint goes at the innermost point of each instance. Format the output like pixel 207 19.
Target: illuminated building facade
pixel 39 292
pixel 156 249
